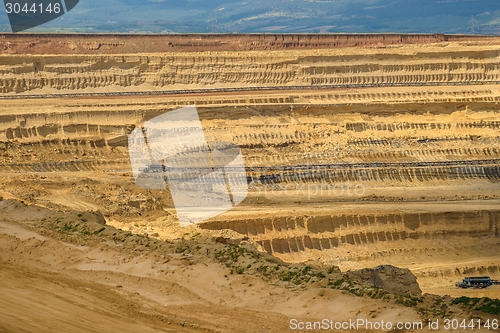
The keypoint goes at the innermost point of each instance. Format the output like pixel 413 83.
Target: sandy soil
pixel 48 283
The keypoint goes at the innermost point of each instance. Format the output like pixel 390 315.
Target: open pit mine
pixel 359 151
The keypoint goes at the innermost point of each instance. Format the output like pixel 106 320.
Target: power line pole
pixel 213 25
pixel 473 25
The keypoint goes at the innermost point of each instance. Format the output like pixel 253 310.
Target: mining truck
pixel 477 282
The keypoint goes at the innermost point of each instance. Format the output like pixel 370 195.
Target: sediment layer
pixel 437 65
pixel 124 44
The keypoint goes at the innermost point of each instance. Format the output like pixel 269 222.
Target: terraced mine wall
pixel 123 43
pixel 416 127
pixel 443 246
pixel 431 145
pixel 252 70
pixel 288 234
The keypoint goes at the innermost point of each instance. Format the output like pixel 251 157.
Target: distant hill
pixel 281 16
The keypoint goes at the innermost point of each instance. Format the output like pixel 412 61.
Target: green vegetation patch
pixel 485 304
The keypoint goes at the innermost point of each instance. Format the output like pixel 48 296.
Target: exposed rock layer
pixel 177 71
pixel 123 43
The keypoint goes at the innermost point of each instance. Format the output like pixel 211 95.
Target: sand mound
pixel 393 279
